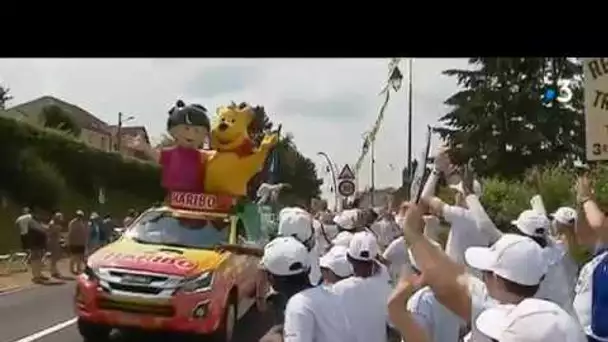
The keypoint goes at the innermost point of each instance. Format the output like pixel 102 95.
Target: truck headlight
pixel 90 273
pixel 198 283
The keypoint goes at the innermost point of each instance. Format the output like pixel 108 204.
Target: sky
pixel 327 104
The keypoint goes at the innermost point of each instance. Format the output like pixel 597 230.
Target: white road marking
pixel 42 333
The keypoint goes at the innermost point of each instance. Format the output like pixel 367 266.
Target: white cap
pixel 477 190
pixel 335 260
pixel 513 257
pixel 347 219
pixel 564 215
pixel 411 255
pixel 531 320
pixel 296 223
pixel 532 223
pixel 342 239
pixel 290 210
pixel 79 212
pixel 94 215
pixel 363 246
pixel 284 256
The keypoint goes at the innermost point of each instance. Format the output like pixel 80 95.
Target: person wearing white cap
pixel 335 265
pixel 463 228
pixel 396 254
pixel 591 291
pixel 512 270
pixel 347 223
pixel 365 294
pixel 298 223
pixel 311 313
pixel 531 320
pixel 385 228
pixel 438 323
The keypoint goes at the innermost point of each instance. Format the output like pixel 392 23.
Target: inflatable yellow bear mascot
pixel 234 159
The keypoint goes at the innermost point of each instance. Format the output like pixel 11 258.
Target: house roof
pixel 81 117
pixel 132 131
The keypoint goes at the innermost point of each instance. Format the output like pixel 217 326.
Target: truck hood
pixel 129 254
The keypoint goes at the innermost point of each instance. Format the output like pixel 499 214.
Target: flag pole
pixel 409 122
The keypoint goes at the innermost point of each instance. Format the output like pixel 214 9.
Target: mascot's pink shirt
pixel 183 169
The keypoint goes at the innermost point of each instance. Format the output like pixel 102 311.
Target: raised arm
pixel 403 320
pixel 593 214
pixel 447 279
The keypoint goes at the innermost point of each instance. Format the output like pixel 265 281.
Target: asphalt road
pixel 45 314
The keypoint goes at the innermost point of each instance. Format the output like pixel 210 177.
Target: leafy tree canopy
pixel 55 117
pixel 500 121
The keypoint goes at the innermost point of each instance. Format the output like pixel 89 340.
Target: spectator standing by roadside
pixel 107 227
pixel 37 237
pixel 77 241
pixel 22 224
pixel 131 215
pixel 96 238
pixel 54 242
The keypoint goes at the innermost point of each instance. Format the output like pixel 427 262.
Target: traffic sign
pixel 346 173
pixel 346 187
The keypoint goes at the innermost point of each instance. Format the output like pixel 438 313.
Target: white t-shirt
pixel 23 223
pixel 324 233
pixel 315 268
pixel 315 315
pixel 584 296
pixel 463 233
pixel 480 300
pixel 558 284
pixel 364 301
pixel 440 324
pixel 342 238
pixel 385 231
pixel 397 256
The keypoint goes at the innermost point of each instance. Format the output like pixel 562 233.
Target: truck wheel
pixel 225 331
pixel 92 332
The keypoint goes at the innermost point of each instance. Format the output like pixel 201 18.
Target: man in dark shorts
pixel 22 222
pixel 36 239
pixel 77 240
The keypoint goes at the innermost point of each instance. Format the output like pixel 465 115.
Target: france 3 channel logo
pixel 559 92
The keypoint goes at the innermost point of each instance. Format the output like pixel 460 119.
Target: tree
pixel 54 117
pixel 4 96
pixel 292 167
pixel 500 122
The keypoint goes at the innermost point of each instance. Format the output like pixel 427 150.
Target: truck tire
pixel 225 331
pixel 92 332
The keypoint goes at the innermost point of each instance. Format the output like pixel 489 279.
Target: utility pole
pixel 409 123
pixel 121 120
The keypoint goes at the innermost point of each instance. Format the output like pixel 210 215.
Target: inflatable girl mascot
pixel 183 165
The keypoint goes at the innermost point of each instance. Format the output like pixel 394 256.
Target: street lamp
pixel 332 170
pixel 121 120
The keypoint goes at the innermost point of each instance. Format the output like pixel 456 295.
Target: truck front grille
pixel 162 310
pixel 135 288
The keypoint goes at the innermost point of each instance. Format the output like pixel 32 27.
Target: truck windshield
pixel 162 228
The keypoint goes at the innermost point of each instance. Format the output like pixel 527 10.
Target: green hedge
pixel 53 170
pixel 25 149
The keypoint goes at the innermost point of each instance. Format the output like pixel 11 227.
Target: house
pixel 127 133
pixel 94 131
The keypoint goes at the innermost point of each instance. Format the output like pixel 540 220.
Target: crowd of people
pixel 56 237
pixel 383 275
